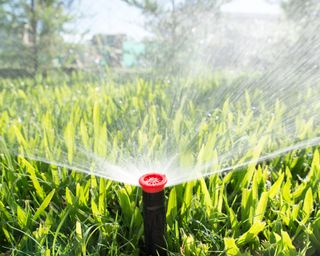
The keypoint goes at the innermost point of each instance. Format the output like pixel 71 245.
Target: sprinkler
pixel 154 212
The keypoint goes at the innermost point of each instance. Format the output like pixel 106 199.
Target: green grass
pixel 268 209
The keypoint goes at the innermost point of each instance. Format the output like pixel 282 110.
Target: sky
pixel 110 17
pixel 115 16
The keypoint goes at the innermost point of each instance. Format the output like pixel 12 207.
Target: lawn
pixel 56 198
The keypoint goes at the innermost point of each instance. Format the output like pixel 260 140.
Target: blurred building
pixel 133 53
pixel 109 49
pixel 113 50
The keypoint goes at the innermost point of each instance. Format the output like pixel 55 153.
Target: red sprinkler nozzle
pixel 154 213
pixel 153 182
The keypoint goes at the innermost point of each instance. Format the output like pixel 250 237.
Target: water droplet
pixel 268 184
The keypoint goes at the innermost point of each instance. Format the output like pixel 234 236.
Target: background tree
pixel 175 27
pixel 301 11
pixel 305 18
pixel 34 33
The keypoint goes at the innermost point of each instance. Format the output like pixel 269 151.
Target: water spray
pixel 154 212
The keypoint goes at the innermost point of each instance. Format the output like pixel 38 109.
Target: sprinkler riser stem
pixel 154 215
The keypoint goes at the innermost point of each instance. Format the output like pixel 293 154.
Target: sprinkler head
pixel 154 213
pixel 153 182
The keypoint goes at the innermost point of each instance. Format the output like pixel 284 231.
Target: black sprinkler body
pixel 154 213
